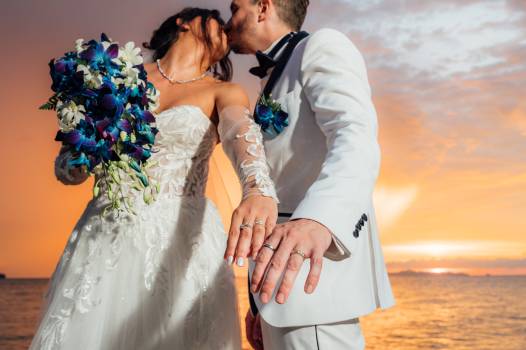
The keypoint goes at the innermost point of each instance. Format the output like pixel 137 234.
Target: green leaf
pixel 123 165
pixel 47 106
pixel 147 196
pixel 115 176
pixel 137 185
pixel 143 178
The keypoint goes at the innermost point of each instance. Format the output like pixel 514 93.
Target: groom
pixel 322 266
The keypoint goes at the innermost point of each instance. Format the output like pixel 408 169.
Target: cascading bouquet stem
pixel 104 106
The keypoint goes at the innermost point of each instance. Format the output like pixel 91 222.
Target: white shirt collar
pixel 267 51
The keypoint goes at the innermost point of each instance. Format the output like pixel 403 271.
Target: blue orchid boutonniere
pixel 270 116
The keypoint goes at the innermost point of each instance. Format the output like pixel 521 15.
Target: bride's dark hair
pixel 168 33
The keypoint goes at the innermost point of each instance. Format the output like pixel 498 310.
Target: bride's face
pixel 219 42
pixel 219 39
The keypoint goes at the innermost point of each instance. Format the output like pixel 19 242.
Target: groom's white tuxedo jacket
pixel 325 165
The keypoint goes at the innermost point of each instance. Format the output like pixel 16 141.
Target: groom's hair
pixel 292 12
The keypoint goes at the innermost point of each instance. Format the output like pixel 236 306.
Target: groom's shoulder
pixel 326 35
pixel 329 41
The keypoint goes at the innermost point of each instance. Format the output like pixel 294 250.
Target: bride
pixel 159 280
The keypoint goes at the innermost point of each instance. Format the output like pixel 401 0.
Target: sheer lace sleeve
pixel 243 144
pixel 63 173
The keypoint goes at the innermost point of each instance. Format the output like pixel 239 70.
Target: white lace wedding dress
pixel 155 281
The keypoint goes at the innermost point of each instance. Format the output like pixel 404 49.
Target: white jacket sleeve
pixel 62 172
pixel 335 83
pixel 243 144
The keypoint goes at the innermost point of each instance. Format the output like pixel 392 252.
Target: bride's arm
pixel 243 144
pixel 67 176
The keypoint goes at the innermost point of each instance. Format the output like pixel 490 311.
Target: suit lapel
pixel 282 63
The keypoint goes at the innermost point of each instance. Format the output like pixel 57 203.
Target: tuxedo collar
pixel 268 59
pixel 273 45
pixel 281 63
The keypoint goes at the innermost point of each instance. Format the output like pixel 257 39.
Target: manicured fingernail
pixel 240 261
pixel 254 288
pixel 230 260
pixel 309 288
pixel 264 298
pixel 281 298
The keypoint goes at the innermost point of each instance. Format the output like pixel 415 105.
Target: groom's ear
pixel 264 9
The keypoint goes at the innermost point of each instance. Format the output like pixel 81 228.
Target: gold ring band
pixel 299 252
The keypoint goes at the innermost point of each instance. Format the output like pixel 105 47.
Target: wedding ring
pixel 269 246
pixel 299 252
pixel 242 226
pixel 259 222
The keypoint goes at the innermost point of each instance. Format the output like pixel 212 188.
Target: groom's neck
pixel 271 35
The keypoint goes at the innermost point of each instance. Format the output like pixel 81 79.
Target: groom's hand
pixel 296 241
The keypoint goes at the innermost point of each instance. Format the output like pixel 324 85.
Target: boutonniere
pixel 270 116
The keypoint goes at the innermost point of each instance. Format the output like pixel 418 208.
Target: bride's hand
pixel 259 213
pixel 79 173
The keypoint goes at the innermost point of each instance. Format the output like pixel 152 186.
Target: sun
pixel 438 270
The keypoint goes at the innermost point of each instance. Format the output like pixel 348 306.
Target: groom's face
pixel 241 29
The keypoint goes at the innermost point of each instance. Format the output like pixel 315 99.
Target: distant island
pixel 2 276
pixel 426 273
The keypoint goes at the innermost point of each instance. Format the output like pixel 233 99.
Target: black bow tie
pixel 266 61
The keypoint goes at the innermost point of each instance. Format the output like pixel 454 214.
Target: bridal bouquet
pixel 104 105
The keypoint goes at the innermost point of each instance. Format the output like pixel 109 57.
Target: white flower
pixel 153 97
pixel 130 54
pixel 130 77
pixel 117 61
pixel 69 115
pixel 91 79
pixel 131 73
pixel 106 44
pixel 79 45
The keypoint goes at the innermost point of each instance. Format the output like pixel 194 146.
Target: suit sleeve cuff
pixel 336 250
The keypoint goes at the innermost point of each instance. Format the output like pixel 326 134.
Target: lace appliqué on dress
pixel 243 143
pixel 169 255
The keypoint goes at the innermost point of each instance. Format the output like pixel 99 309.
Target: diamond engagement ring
pixel 269 246
pixel 242 226
pixel 299 252
pixel 259 222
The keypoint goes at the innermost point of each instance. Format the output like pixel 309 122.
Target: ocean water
pixel 432 312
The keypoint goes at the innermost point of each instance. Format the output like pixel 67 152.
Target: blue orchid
pixel 270 116
pixel 99 58
pixel 104 112
pixel 64 74
pixel 79 161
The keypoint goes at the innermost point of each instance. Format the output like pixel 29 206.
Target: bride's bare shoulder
pixel 228 93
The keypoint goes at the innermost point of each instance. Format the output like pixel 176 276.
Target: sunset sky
pixel 448 78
